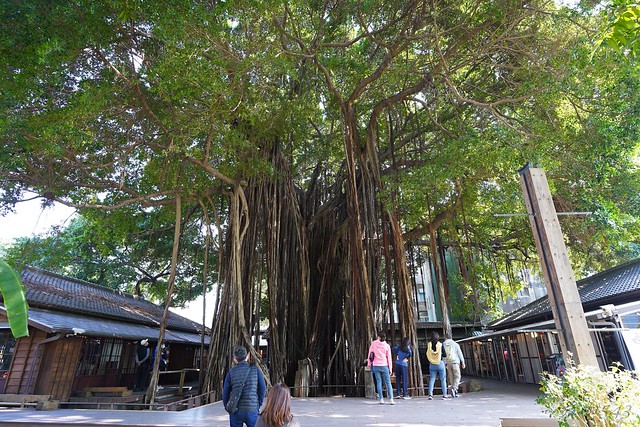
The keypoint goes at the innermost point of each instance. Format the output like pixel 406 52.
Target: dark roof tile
pixel 48 290
pixel 616 285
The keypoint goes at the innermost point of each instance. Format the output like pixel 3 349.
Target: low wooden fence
pixel 179 405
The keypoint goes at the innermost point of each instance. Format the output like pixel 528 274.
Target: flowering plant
pixel 586 396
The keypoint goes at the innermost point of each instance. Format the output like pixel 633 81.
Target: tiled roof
pixel 55 322
pixel 54 292
pixel 617 285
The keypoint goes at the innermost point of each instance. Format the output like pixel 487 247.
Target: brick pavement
pixel 483 408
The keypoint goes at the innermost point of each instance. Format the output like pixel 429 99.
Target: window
pixel 631 320
pixel 7 344
pixel 100 356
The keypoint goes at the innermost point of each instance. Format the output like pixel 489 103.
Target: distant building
pixel 533 290
pixel 84 335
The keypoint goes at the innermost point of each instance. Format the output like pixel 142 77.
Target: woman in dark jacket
pixel 403 353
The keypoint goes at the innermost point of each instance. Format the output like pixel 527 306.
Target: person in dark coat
pixel 143 362
pixel 403 353
pixel 249 382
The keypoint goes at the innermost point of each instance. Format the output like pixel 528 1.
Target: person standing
pixel 247 382
pixel 381 365
pixel 143 361
pixel 164 357
pixel 403 354
pixel 162 366
pixel 277 409
pixel 453 361
pixel 435 353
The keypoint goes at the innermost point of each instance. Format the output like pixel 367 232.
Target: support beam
pixel 556 268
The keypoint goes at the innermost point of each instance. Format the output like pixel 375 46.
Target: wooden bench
pixel 107 392
pixel 23 400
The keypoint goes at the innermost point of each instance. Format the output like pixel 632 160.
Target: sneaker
pixel 454 393
pixel 445 397
pixel 382 401
pixel 407 397
pixel 393 402
pixel 430 397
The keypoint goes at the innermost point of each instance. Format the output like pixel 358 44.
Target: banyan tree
pixel 296 149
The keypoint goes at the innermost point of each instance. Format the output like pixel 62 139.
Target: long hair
pixel 434 339
pixel 277 407
pixel 405 344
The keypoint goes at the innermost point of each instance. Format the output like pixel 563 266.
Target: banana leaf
pixel 14 301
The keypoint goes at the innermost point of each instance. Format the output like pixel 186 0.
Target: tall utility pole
pixel 556 268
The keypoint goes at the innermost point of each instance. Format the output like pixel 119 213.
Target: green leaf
pixel 14 301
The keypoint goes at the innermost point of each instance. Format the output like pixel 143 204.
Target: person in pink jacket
pixel 381 363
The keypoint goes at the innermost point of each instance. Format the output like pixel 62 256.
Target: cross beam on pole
pixel 557 213
pixel 575 340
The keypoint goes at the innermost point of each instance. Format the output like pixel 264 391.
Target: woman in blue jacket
pixel 404 353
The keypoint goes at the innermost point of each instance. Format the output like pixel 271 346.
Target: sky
pixel 193 310
pixel 30 219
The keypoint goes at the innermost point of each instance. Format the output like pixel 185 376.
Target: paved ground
pixel 484 408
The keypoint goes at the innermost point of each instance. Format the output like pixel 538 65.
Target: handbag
pixel 232 405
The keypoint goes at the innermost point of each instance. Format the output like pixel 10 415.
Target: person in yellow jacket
pixel 435 354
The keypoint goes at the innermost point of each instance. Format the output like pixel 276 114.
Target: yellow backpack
pixel 434 357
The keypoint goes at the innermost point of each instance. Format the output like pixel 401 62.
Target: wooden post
pixel 556 268
pixel 181 385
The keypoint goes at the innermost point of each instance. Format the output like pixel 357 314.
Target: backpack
pixel 448 349
pixel 434 357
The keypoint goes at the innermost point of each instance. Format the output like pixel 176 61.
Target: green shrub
pixel 586 396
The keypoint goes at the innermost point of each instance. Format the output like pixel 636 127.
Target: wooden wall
pixel 181 356
pixel 58 367
pixel 43 367
pixel 46 364
pixel 25 364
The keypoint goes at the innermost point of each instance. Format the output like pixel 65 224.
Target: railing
pixel 188 403
pixel 183 373
pixel 116 403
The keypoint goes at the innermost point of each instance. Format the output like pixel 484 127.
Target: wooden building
pixel 522 344
pixel 84 335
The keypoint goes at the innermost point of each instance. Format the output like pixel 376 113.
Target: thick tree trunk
pixel 359 321
pixel 404 298
pixel 230 324
pixel 444 311
pixel 287 273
